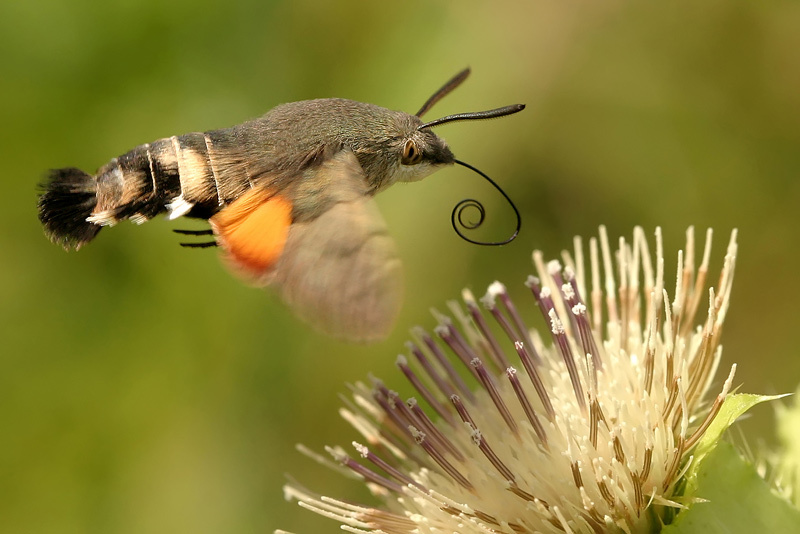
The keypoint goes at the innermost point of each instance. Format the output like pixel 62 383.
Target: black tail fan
pixel 68 198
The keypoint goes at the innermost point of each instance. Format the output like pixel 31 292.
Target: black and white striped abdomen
pixel 195 174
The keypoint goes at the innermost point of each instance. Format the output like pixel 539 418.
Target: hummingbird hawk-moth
pixel 288 197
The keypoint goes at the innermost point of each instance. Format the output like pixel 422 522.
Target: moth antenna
pixel 475 115
pixel 445 90
pixel 194 232
pixel 457 217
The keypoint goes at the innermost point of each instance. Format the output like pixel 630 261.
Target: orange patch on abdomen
pixel 253 230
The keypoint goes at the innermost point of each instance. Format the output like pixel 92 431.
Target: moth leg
pixel 199 245
pixel 194 232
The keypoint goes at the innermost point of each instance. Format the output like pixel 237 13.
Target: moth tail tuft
pixel 68 198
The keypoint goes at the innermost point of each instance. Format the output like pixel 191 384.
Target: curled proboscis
pixel 458 215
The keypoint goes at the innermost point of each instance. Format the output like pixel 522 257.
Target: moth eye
pixel 411 154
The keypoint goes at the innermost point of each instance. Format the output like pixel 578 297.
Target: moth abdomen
pixel 126 189
pixel 68 200
pixel 195 174
pixel 139 184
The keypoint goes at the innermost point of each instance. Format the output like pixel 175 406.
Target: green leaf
pixel 787 459
pixel 739 500
pixel 733 407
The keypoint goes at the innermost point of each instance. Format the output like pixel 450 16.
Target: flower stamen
pixel 488 384
pixel 402 364
pixel 498 356
pixel 603 428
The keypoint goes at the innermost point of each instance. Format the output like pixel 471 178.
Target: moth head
pixel 402 152
pixel 419 154
pixel 422 151
pixel 414 151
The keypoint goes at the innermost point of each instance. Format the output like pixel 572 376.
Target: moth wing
pixel 332 262
pixel 341 272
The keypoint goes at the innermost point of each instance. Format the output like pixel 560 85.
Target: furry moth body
pixel 288 197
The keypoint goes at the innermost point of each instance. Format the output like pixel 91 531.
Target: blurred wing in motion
pixel 323 246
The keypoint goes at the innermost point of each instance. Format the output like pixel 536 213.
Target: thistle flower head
pixel 583 427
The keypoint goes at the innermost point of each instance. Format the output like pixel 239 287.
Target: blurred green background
pixel 143 389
